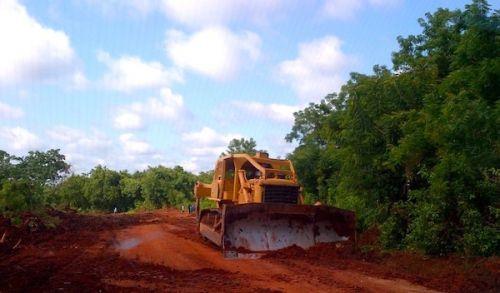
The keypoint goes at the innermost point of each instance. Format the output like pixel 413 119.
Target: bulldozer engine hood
pixel 276 182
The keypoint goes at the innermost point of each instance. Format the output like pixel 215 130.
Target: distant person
pixel 182 208
pixel 115 210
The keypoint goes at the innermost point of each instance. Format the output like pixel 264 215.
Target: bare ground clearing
pixel 161 251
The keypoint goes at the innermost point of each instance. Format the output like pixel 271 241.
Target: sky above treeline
pixel 132 83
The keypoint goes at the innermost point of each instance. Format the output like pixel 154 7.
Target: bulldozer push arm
pixel 260 208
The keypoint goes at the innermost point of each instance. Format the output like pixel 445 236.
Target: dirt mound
pixel 11 235
pixel 450 274
pixel 293 251
pixel 322 251
pixel 35 228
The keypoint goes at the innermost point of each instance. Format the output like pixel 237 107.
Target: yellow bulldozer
pixel 260 208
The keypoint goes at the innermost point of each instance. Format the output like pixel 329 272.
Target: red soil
pixel 162 251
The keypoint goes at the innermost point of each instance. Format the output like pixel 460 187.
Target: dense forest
pixel 41 178
pixel 413 149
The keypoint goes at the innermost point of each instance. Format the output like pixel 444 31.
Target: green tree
pixel 205 176
pixel 102 190
pixel 131 190
pixel 164 186
pixel 415 150
pixel 18 195
pixel 71 192
pixel 43 167
pixel 458 128
pixel 241 146
pixel 24 180
pixel 27 183
pixel 7 165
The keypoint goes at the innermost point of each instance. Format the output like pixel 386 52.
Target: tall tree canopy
pixel 415 149
pixel 241 146
pixel 42 167
pixel 40 178
pixel 23 179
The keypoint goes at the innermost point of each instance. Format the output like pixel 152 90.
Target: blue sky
pixel 135 83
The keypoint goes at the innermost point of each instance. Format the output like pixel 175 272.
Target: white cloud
pixel 191 166
pixel 134 6
pixel 342 9
pixel 129 73
pixel 384 2
pixel 133 146
pixel 84 150
pixel 198 13
pixel 31 52
pixel 78 80
pixel 320 68
pixel 207 137
pixel 273 111
pixel 10 112
pixel 18 139
pixel 347 9
pixel 216 12
pixel 127 118
pixel 214 51
pixel 64 134
pixel 136 154
pixel 168 106
pixel 203 147
pixel 77 141
pixel 276 145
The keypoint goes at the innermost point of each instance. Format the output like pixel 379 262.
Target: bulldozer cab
pixel 240 178
pixel 224 178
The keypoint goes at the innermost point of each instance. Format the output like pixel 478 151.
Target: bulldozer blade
pixel 259 227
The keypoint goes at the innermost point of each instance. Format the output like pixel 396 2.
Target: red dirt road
pixel 161 251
